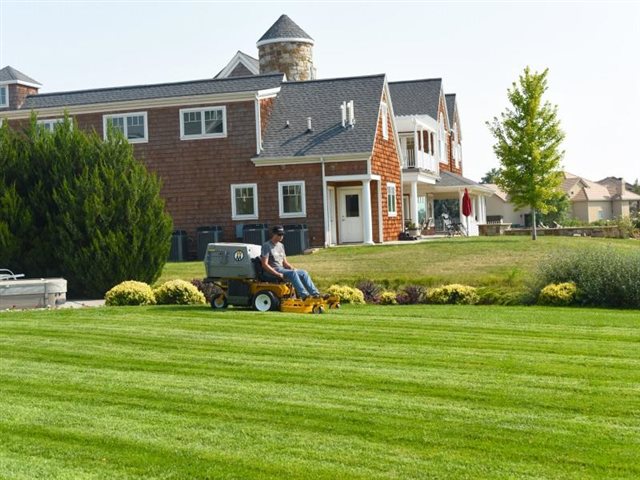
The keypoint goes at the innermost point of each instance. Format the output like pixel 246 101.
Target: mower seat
pixel 262 275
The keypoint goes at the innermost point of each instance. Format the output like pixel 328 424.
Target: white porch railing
pixel 414 158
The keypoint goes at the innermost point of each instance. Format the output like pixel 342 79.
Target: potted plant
pixel 412 229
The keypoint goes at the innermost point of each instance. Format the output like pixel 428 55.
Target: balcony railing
pixel 422 160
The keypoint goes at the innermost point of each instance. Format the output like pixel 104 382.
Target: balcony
pixel 414 158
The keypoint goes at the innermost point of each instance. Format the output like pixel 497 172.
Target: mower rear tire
pixel 265 300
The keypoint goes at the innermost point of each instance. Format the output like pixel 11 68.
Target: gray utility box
pixel 257 233
pixel 296 239
pixel 231 260
pixel 33 293
pixel 205 236
pixel 179 246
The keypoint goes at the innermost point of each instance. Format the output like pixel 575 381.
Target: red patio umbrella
pixel 466 207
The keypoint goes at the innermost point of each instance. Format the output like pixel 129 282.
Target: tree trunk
pixel 534 232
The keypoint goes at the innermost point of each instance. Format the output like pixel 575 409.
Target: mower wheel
pixel 265 300
pixel 318 309
pixel 219 302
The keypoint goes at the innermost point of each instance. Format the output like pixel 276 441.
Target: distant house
pixel 500 209
pixel 606 199
pixel 603 200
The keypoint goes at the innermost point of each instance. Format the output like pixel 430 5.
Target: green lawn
pixel 364 392
pixel 479 261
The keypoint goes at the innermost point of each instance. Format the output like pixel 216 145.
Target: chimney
pixel 351 114
pixel 623 187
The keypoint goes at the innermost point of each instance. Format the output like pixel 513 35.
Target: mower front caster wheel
pixel 219 302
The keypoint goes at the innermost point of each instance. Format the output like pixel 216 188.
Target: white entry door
pixel 351 226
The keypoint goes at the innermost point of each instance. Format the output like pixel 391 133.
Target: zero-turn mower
pixel 236 269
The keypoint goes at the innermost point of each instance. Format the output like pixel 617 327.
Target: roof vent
pixel 343 112
pixel 351 114
pixel 309 128
pixel 286 125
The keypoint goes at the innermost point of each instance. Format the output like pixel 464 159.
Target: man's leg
pixel 305 278
pixel 292 276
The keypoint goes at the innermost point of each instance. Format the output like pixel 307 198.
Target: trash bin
pixel 179 246
pixel 256 233
pixel 296 238
pixel 205 236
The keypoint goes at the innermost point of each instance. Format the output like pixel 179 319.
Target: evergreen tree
pixel 88 210
pixel 490 176
pixel 528 138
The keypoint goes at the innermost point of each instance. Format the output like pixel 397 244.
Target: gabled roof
pixel 284 29
pixel 287 136
pixel 448 179
pixel 240 58
pixel 146 92
pixel 613 185
pixel 416 97
pixel 497 191
pixel 10 75
pixel 581 189
pixel 451 106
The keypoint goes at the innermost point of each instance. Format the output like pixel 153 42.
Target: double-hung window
pixel 4 96
pixel 244 201
pixel 391 200
pixel 209 122
pixel 50 124
pixel 132 125
pixel 291 198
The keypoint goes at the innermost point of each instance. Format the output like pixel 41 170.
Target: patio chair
pixel 449 227
pixel 6 274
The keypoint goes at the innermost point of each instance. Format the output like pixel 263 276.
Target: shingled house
pixel 428 125
pixel 246 148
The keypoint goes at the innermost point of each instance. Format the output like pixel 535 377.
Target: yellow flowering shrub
pixel 130 293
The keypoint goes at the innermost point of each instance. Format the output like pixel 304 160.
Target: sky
pixel 592 51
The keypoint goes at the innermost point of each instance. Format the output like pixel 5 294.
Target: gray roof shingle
pixel 451 106
pixel 10 74
pixel 284 28
pixel 321 100
pixel 448 179
pixel 145 92
pixel 416 97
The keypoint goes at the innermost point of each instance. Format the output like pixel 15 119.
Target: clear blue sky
pixel 478 48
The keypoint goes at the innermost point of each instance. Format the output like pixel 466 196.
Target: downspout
pixel 325 212
pixel 258 126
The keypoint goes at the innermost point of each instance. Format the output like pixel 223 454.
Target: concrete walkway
pixel 81 304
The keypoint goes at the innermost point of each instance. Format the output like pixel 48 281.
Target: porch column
pixel 413 202
pixel 415 144
pixel 366 212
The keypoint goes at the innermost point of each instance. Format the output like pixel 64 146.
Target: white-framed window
pixel 385 122
pixel 4 96
pixel 208 122
pixel 244 201
pixel 50 123
pixel 132 125
pixel 391 200
pixel 292 199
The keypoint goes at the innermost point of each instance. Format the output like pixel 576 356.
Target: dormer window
pixel 4 96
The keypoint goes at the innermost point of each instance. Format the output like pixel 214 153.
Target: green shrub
pixel 455 294
pixel 178 292
pixel 504 296
pixel 130 292
pixel 346 294
pixel 208 289
pixel 388 297
pixel 604 277
pixel 75 205
pixel 558 294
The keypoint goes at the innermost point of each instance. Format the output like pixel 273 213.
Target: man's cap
pixel 279 229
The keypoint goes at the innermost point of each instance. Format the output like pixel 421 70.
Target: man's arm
pixel 268 268
pixel 287 265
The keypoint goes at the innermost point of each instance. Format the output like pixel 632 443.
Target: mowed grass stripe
pixel 361 393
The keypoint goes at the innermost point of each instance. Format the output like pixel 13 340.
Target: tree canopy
pixel 528 138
